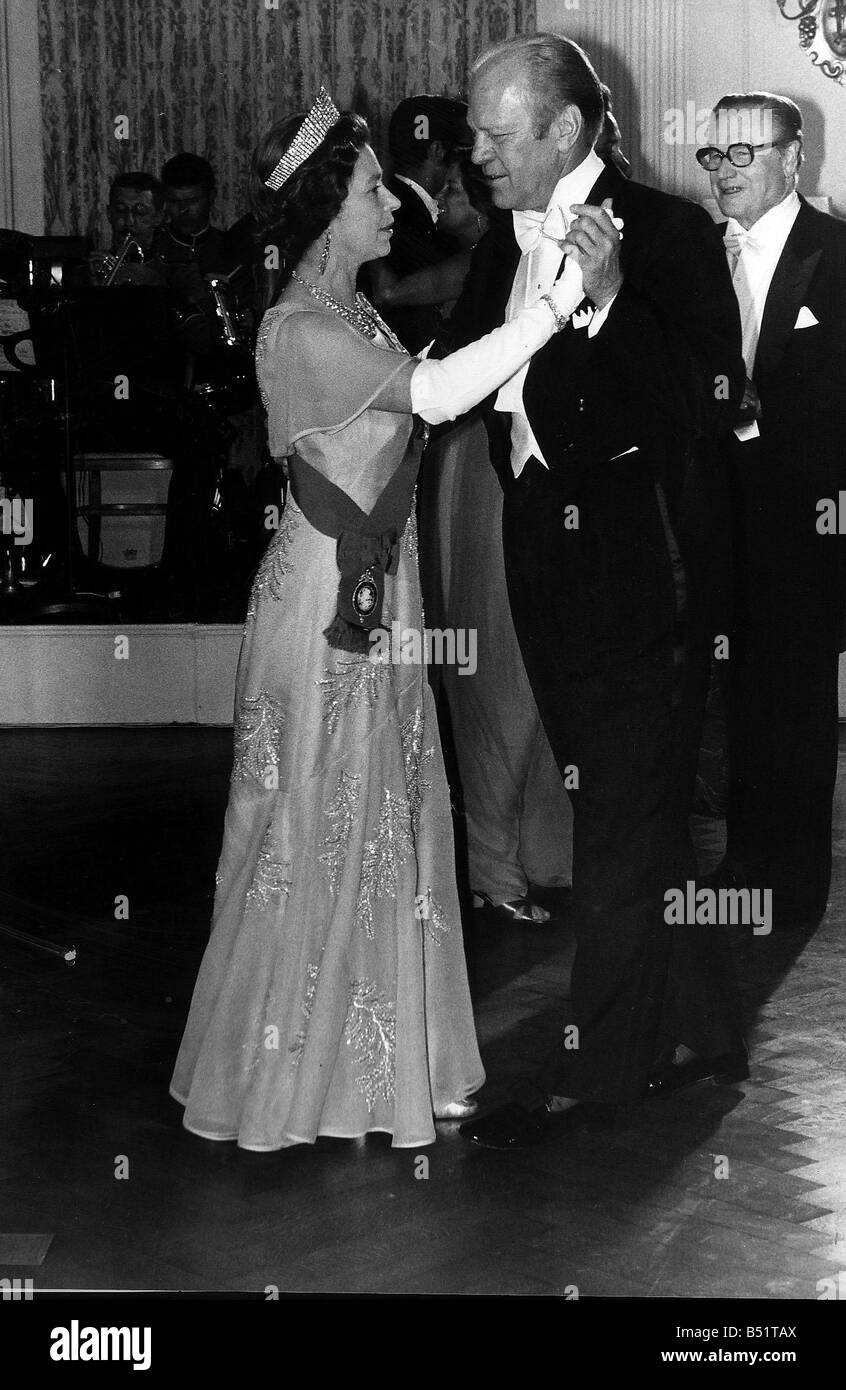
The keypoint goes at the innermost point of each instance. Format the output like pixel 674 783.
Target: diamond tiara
pixel 313 131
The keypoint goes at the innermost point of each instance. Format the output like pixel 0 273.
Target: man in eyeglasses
pixel 788 453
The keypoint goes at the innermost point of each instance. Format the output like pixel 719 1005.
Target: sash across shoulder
pixel 368 542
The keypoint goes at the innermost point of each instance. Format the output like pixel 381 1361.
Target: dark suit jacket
pixel 800 376
pixel 664 375
pixel 415 244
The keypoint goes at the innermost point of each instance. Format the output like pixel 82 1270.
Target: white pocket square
pixel 805 319
pixel 582 317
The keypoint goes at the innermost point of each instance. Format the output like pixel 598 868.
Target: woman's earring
pixel 324 255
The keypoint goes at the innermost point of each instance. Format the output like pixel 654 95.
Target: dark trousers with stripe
pixel 628 721
pixel 783 672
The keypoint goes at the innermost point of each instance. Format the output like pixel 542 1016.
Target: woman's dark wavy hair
pixel 295 215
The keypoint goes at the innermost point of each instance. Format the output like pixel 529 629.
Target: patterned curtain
pixel 128 83
pixel 21 189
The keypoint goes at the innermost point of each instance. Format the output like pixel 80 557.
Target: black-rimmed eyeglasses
pixel 740 154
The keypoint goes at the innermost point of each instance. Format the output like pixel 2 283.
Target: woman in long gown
pixel 332 998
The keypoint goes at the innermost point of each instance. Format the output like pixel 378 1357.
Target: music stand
pixel 90 339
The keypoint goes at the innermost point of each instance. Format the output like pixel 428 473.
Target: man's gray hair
pixel 780 110
pixel 556 73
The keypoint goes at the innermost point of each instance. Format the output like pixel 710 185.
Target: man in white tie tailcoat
pixel 787 459
pixel 611 513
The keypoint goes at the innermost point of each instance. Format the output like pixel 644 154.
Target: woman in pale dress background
pixel 332 998
pixel 518 817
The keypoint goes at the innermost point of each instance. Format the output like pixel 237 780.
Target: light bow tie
pixel 530 228
pixel 737 239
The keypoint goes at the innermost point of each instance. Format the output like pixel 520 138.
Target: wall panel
pixel 657 55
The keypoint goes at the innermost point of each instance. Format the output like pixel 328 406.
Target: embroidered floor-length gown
pixel 332 998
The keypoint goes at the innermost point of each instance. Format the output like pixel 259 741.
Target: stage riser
pixel 171 674
pixel 174 674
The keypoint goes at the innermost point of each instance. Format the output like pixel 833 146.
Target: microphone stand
pixel 70 602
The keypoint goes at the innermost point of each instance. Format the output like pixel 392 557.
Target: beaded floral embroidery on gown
pixel 332 998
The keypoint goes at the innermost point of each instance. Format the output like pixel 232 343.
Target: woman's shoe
pixel 519 911
pixel 457 1110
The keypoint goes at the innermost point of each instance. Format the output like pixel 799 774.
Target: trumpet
pixel 220 291
pixel 114 263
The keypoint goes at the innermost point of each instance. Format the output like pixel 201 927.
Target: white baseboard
pixel 176 673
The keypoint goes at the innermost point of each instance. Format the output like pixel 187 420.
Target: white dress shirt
pixel 754 265
pixel 752 268
pixel 426 198
pixel 535 276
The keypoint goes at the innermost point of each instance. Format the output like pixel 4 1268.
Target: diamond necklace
pixel 363 316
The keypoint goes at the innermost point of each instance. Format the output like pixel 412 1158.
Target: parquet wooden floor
pixel 735 1192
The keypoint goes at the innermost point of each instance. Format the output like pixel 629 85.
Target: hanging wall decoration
pixel 822 32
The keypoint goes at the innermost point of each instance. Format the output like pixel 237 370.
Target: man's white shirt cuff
pixel 599 318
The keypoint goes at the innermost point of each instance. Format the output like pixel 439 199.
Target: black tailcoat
pixel 415 244
pixel 612 614
pixel 789 592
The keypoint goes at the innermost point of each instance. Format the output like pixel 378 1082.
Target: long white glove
pixel 440 390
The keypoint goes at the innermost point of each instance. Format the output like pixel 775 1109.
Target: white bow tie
pixel 737 239
pixel 531 227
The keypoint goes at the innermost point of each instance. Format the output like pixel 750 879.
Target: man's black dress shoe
pixel 516 1127
pixel 789 914
pixel 796 917
pixel 673 1076
pixel 726 875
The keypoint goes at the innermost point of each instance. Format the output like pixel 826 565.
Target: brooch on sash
pixel 365 596
pixel 363 562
